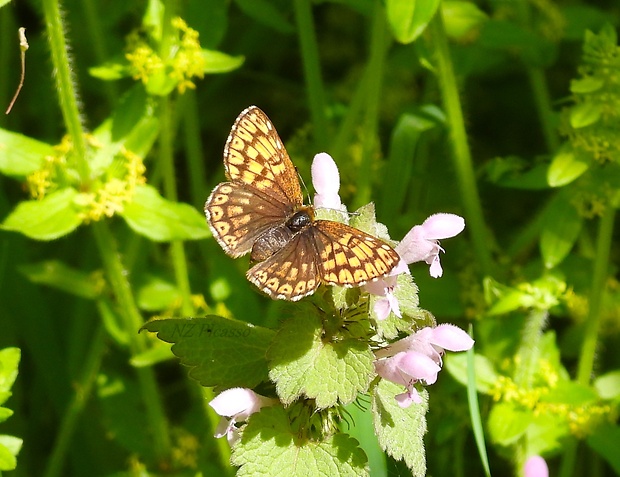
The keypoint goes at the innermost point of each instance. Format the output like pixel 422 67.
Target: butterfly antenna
pixel 303 184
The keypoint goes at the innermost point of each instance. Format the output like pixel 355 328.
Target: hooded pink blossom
pixel 236 405
pixel 326 182
pixel 418 358
pixel 535 466
pixel 422 241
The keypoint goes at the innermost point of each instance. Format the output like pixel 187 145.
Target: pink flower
pixel 418 358
pixel 236 405
pixel 535 466
pixel 326 182
pixel 384 287
pixel 422 241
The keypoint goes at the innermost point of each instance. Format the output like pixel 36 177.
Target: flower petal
pixel 418 366
pixel 326 182
pixel 236 401
pixel 535 466
pixel 441 226
pixel 451 337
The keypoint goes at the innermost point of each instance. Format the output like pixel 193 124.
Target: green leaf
pixel 507 422
pixel 302 363
pixel 5 413
pixel 400 431
pixel 585 114
pixel 111 70
pixel 221 352
pixel 589 84
pixel 56 274
pixel 605 440
pixel 218 62
pixel 547 433
pixel 400 165
pixel 156 294
pixel 153 355
pixel 486 376
pixel 461 17
pixel 561 227
pixel 161 220
pixel 607 385
pixel 9 448
pixel 409 18
pixel 567 165
pixel 4 2
pixel 266 13
pixel 21 155
pixel 50 218
pixel 9 362
pixel 268 447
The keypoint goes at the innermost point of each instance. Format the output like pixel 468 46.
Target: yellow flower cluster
pixel 187 62
pixel 111 195
pixel 581 419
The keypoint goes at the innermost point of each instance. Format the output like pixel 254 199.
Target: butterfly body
pixel 261 211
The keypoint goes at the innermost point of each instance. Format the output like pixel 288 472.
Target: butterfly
pixel 260 210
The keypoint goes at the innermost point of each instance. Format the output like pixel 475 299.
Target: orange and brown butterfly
pixel 261 211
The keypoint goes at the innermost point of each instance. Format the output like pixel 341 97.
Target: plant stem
pixel 82 393
pixel 599 277
pixel 529 350
pixel 312 71
pixel 379 41
pixel 460 149
pixel 132 320
pixel 65 85
pixel 538 83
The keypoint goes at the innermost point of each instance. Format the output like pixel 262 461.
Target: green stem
pixel 538 83
pixel 166 160
pixel 599 277
pixel 83 390
pixel 379 41
pixel 132 321
pixel 460 149
pixel 65 85
pixel 312 71
pixel 529 350
pixel 193 148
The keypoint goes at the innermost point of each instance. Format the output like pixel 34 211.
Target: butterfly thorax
pixel 276 238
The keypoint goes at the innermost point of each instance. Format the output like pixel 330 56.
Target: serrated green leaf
pixel 161 220
pixel 46 219
pixel 266 13
pixel 607 385
pixel 461 17
pixel 507 422
pixel 567 165
pixel 585 85
pixel 561 227
pixel 486 376
pixel 268 447
pixel 220 352
pixel 56 274
pixel 400 431
pixel 409 18
pixel 21 155
pixel 218 62
pixel 301 363
pixel 605 441
pixel 9 448
pixel 365 220
pixel 406 292
pixel 585 114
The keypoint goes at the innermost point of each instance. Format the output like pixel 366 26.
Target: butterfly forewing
pixel 261 208
pixel 254 155
pixel 238 214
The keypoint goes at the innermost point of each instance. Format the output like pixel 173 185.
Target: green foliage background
pixel 373 84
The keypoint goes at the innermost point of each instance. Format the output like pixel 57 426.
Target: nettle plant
pixel 359 336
